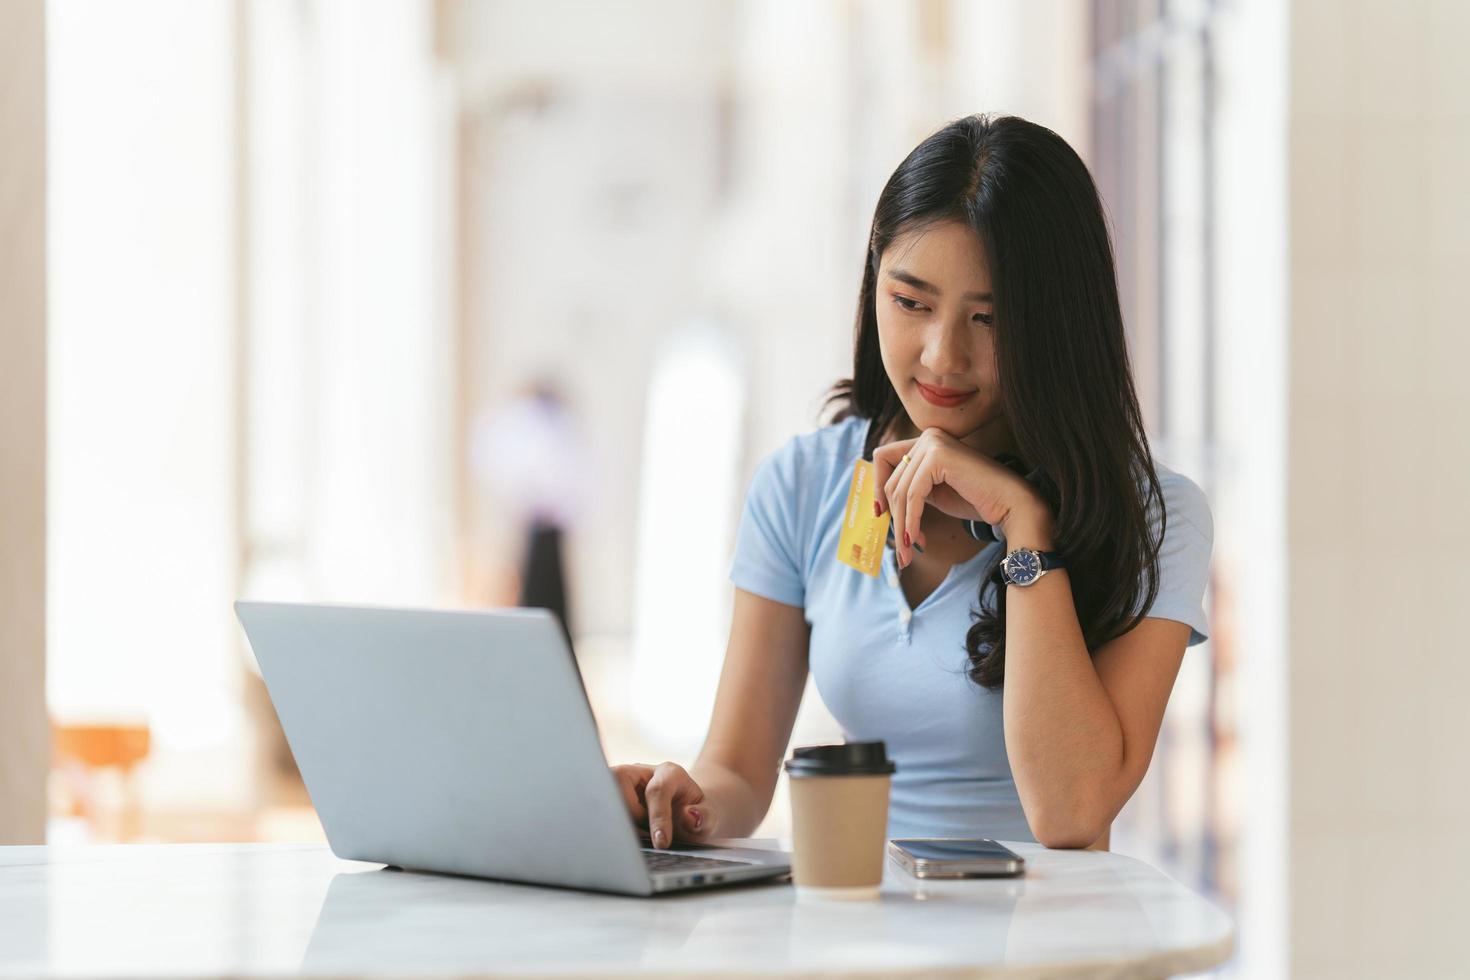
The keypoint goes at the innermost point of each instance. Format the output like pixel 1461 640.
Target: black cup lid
pixel 846 759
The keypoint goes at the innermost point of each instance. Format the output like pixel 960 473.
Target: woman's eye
pixel 913 306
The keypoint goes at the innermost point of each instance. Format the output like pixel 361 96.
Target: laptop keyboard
pixel 669 861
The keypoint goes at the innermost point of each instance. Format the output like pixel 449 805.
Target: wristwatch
pixel 1025 566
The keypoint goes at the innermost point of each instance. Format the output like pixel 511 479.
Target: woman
pixel 989 344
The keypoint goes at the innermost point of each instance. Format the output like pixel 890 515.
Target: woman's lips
pixel 944 397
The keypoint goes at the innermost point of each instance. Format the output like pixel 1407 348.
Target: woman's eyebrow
pixel 918 283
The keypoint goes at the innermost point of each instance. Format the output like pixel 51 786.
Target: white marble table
pixel 253 910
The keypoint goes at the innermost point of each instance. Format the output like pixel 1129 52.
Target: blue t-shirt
pixel 891 673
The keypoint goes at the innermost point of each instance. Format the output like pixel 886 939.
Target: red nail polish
pixel 906 542
pixel 877 509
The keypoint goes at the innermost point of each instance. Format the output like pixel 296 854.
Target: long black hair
pixel 1062 358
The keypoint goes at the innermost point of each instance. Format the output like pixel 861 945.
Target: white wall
pixel 1379 476
pixel 24 739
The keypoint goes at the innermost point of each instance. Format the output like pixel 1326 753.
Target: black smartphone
pixel 956 857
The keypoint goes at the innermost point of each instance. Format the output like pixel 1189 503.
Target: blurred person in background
pixel 530 458
pixel 1018 646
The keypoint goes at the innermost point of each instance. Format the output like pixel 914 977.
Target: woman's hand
pixel 668 800
pixel 941 470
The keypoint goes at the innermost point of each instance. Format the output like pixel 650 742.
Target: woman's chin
pixel 950 421
pixel 962 425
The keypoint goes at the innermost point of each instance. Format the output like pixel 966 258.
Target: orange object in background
pixel 81 753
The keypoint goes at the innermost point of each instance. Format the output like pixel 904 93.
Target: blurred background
pixel 473 304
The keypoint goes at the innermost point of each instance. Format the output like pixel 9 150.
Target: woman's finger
pixel 894 501
pixel 659 795
pixel 694 822
pixel 630 782
pixel 885 458
pixel 918 484
pixel 670 788
pixel 899 499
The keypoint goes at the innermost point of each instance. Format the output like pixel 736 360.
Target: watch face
pixel 1023 567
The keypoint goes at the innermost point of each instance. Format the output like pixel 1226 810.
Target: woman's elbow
pixel 1065 830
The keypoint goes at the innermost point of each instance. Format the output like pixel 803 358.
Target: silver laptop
pixel 462 742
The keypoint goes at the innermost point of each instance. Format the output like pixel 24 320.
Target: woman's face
pixel 935 330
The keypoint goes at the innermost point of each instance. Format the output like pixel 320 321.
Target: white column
pixel 141 483
pixel 1252 348
pixel 24 744
pixel 380 406
pixel 1378 479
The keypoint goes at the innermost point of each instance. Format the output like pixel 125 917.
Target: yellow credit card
pixel 863 536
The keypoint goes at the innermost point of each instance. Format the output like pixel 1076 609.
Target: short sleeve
pixel 767 541
pixel 1184 557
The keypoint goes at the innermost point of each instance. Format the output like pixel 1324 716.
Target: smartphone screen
pixel 955 850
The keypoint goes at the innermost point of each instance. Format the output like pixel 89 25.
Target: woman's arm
pixel 760 691
pixel 1079 730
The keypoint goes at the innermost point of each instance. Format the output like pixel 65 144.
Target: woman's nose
pixel 947 351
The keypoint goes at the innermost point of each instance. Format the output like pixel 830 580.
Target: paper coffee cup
pixel 839 819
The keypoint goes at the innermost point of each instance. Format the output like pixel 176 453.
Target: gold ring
pixel 905 458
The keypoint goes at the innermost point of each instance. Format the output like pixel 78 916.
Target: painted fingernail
pixel 918 547
pixel 877 509
pixel 906 542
